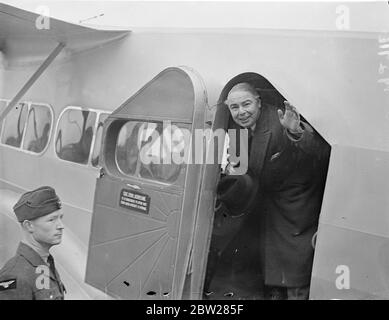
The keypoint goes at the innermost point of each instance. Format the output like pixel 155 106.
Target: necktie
pixel 50 261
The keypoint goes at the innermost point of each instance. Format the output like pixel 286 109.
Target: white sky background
pixel 308 15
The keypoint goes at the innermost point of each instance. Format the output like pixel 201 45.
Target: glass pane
pixel 14 125
pixel 38 128
pixel 127 150
pixel 99 134
pixel 145 149
pixel 161 148
pixel 74 136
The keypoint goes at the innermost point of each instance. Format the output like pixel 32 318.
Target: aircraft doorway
pixel 241 263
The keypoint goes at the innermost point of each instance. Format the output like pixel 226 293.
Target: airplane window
pixel 99 134
pixel 14 125
pixel 74 135
pixel 38 128
pixel 145 149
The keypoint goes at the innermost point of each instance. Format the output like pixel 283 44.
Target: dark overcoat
pixel 19 278
pixel 291 173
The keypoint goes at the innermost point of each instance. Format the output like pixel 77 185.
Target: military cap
pixel 37 203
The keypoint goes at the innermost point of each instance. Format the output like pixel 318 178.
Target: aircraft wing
pixel 26 34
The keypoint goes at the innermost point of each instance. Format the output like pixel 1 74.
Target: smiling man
pixel 31 273
pixel 244 104
pixel 289 160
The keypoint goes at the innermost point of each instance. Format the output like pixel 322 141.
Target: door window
pixel 148 150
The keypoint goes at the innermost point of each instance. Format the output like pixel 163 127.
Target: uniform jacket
pixel 19 278
pixel 291 174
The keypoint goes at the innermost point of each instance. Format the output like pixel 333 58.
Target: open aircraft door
pixel 144 213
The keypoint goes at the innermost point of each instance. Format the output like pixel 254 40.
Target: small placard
pixel 135 201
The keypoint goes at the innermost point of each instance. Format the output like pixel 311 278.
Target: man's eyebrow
pixel 56 215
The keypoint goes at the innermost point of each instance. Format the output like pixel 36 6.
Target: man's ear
pixel 28 226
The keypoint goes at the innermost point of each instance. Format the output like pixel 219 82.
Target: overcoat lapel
pixel 260 141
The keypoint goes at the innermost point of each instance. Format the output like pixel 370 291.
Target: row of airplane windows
pixel 29 126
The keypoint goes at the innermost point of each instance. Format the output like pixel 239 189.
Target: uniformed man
pixel 31 273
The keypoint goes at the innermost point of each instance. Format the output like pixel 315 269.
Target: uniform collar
pixel 34 258
pixel 30 254
pixel 44 253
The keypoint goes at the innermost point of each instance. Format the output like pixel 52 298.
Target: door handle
pixel 133 186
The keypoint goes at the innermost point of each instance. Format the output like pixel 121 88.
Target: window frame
pixel 29 104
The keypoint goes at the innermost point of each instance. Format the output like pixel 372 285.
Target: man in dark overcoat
pixel 290 161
